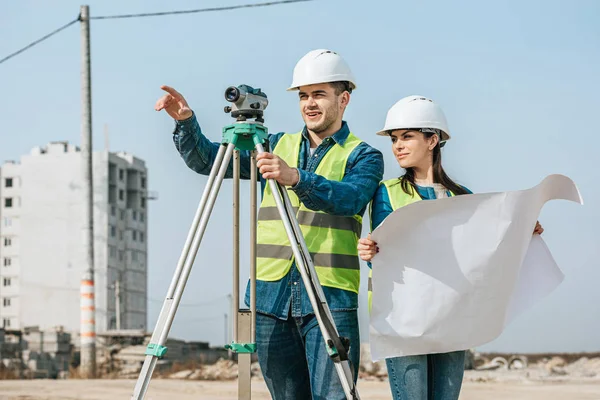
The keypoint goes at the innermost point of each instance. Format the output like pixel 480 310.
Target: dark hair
pixel 340 87
pixel 439 175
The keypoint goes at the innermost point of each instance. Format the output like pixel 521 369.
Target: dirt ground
pixel 170 389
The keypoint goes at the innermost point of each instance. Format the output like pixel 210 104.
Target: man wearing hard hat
pixel 332 175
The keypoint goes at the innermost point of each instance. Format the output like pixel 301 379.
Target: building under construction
pixel 41 227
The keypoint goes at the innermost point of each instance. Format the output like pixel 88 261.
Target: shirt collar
pixel 339 137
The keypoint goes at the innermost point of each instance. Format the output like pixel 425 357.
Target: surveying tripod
pixel 247 134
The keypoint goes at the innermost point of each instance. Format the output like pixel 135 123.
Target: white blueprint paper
pixel 452 273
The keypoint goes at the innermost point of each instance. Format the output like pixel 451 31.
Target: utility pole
pixel 227 332
pixel 118 302
pixel 88 309
pixel 106 138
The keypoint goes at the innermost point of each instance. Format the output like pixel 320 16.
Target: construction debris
pixel 481 367
pixel 122 353
pixel 556 366
pixel 517 362
pixel 222 370
pixel 12 365
pixel 46 353
pixel 33 353
pixel 544 368
pixel 584 368
pixel 496 363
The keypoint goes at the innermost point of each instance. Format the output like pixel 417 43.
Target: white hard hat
pixel 414 112
pixel 321 66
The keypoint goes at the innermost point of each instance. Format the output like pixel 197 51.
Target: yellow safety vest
pixel 398 198
pixel 331 239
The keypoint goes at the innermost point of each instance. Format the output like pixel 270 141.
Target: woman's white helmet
pixel 321 66
pixel 416 112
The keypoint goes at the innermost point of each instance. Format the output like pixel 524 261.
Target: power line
pixel 227 8
pixel 30 45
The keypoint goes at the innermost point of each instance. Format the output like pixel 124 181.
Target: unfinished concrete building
pixel 41 230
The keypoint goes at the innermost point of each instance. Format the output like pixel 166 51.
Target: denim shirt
pixel 382 206
pixel 364 171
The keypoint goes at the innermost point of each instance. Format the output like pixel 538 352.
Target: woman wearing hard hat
pixel 418 129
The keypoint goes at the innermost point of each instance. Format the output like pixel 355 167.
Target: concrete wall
pixel 52 258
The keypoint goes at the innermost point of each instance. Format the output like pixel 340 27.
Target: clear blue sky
pixel 518 81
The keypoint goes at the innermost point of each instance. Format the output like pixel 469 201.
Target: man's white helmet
pixel 321 66
pixel 414 112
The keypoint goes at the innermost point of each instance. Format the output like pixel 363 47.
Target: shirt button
pixel 295 283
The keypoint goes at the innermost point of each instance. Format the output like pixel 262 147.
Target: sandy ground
pixel 195 390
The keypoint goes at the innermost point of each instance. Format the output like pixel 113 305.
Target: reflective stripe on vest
pixel 398 198
pixel 331 239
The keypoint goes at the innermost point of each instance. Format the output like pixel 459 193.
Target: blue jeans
pixel 426 377
pixel 293 358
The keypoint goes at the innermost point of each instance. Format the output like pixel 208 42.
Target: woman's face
pixel 412 148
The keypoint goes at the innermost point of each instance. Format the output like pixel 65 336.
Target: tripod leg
pixel 156 347
pixel 190 237
pixel 236 242
pixel 244 324
pixel 253 224
pixel 333 343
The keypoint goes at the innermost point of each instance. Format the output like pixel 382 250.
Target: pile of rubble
pixel 545 368
pixel 47 354
pixel 479 368
pixel 11 363
pixel 584 367
pixel 34 353
pixel 548 368
pixel 222 370
pixel 122 353
pixel 502 367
